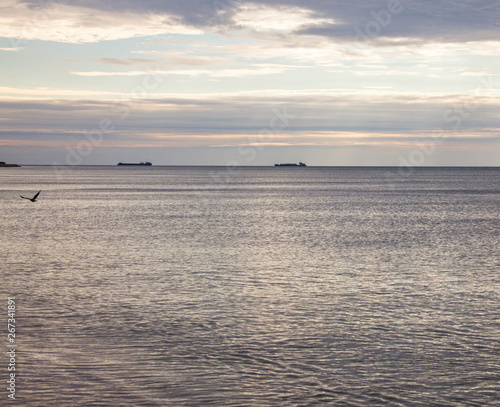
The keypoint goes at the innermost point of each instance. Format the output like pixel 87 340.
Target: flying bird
pixel 32 199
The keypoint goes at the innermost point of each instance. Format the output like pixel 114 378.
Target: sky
pixel 225 82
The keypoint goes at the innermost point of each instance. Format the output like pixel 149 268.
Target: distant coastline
pixel 4 164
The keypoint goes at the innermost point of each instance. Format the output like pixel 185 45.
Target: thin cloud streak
pixel 14 49
pixel 221 73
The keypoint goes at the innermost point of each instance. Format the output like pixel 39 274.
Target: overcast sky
pixel 328 82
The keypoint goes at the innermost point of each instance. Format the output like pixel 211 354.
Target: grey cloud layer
pixel 311 119
pixel 422 20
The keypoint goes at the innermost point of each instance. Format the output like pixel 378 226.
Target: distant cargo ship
pixel 300 164
pixel 141 163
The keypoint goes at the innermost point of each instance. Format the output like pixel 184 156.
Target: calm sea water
pixel 192 286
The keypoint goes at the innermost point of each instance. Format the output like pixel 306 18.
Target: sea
pixel 250 286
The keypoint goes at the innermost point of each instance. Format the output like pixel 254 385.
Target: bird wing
pixel 38 193
pixel 24 197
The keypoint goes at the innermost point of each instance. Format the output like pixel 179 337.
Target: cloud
pixel 170 58
pixel 258 69
pixel 264 18
pixel 47 93
pixel 14 49
pixel 126 61
pixel 73 24
pixel 424 21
